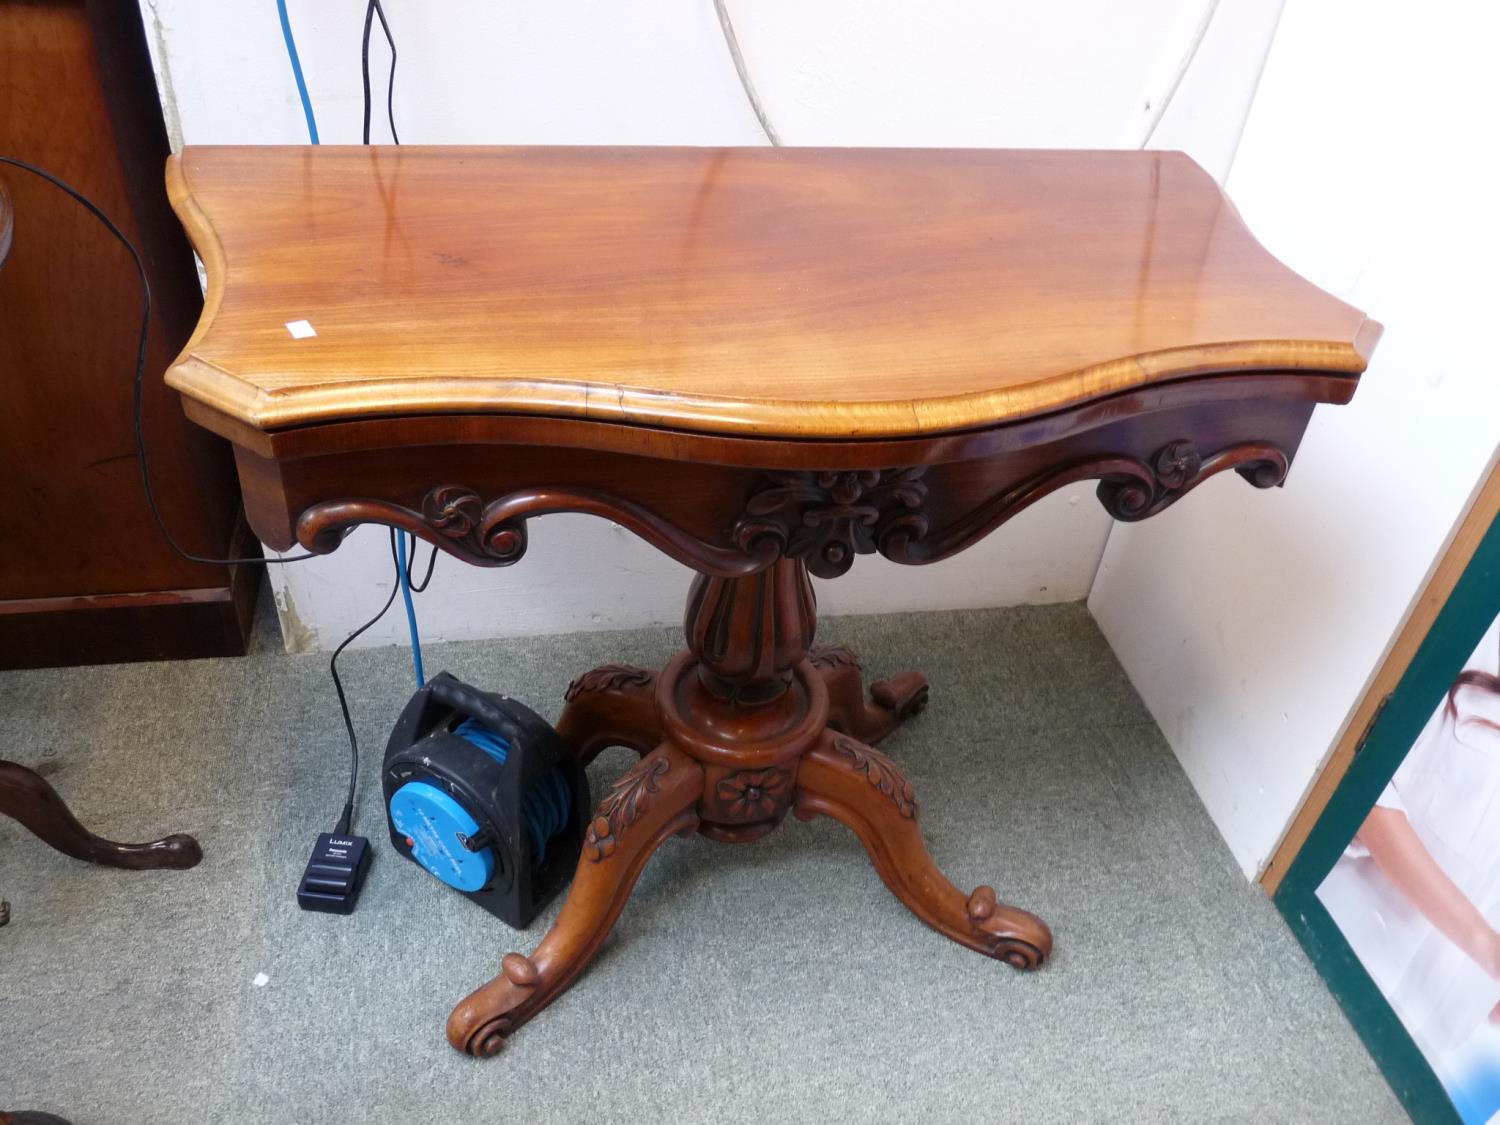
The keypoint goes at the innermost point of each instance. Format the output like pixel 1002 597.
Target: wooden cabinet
pixel 85 576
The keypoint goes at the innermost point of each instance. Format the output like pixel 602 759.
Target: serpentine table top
pixel 765 362
pixel 787 293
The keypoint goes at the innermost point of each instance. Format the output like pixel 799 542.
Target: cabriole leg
pixel 862 788
pixel 26 797
pixel 890 704
pixel 654 799
pixel 613 705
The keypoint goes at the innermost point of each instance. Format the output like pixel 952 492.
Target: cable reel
pixel 480 792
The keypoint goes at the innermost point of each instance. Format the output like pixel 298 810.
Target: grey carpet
pixel 772 982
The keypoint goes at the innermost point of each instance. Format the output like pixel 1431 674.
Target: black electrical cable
pixel 427 578
pixel 346 818
pixel 373 9
pixel 140 369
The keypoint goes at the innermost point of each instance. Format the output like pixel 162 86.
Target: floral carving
pixel 881 772
pixel 829 517
pixel 608 677
pixel 626 802
pixel 751 795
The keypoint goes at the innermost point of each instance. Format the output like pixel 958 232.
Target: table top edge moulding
pixel 784 293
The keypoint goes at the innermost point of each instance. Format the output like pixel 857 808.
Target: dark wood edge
pixel 766 452
pixel 164 625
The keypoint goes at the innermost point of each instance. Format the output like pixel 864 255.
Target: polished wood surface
pixel 770 292
pixel 85 576
pixel 766 364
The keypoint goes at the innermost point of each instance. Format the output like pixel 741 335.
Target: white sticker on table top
pixel 301 329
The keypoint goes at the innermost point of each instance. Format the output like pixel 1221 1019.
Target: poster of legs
pixel 1417 892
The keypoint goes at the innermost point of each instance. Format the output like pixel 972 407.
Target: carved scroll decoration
pixel 493 533
pixel 1129 489
pixel 626 802
pixel 827 518
pixel 1177 467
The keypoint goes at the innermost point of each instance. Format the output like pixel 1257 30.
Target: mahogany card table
pixel 765 362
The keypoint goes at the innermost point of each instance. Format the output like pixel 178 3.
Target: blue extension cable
pixel 291 51
pixel 547 806
pixel 404 577
pixel 407 556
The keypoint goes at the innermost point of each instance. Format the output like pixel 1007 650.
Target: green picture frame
pixel 1469 611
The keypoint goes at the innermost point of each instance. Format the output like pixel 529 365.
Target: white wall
pixel 1251 621
pixel 840 72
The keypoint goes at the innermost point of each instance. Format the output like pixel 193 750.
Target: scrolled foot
pixel 612 705
pixel 904 695
pixel 1019 939
pixel 483 1038
pixel 891 701
pixel 654 800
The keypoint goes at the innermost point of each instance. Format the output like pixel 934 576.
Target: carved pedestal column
pixel 743 700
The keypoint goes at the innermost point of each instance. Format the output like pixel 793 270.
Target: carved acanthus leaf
pixel 608 677
pixel 834 656
pixel 881 772
pixel 626 802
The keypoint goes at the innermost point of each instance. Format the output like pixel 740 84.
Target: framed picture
pixel 1391 878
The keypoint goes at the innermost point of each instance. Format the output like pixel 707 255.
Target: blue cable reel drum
pixel 480 793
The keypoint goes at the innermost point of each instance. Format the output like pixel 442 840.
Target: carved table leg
pixel 613 705
pixel 891 701
pixel 864 789
pixel 655 799
pixel 747 723
pixel 26 797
